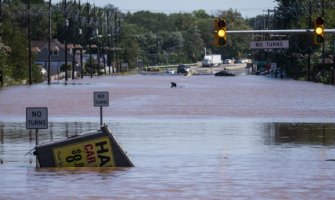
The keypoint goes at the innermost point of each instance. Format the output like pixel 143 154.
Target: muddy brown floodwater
pixel 243 137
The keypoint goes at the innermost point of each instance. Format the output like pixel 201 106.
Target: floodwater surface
pixel 244 137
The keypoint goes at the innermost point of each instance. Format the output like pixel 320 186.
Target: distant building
pixel 57 55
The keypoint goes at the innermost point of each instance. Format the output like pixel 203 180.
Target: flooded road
pixel 244 137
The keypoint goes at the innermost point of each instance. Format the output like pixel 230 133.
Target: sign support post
pixel 36 136
pixel 36 118
pixel 101 99
pixel 100 115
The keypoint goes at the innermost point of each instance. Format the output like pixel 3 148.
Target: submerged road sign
pixel 94 149
pixel 36 117
pixel 271 44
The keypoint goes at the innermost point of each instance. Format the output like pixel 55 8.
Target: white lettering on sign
pixel 101 99
pixel 37 118
pixel 275 44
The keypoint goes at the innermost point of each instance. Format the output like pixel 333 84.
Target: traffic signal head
pixel 319 31
pixel 220 34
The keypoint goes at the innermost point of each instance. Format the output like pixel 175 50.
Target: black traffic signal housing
pixel 220 33
pixel 318 37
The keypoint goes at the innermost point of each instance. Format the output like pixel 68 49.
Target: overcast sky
pixel 248 8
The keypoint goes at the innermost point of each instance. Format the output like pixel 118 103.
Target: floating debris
pixel 95 149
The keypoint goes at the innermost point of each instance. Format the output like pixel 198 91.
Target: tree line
pixel 153 38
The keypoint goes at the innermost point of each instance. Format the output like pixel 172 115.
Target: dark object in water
pixel 95 149
pixel 173 84
pixel 224 73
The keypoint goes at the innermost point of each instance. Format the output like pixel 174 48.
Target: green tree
pixel 154 22
pixel 193 44
pixel 295 15
pixel 4 69
pixel 129 44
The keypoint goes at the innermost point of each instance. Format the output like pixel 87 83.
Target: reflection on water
pixel 17 132
pixel 189 159
pixel 300 134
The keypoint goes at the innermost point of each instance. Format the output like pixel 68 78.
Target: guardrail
pixel 171 66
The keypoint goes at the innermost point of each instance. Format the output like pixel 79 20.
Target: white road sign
pixel 36 117
pixel 271 44
pixel 101 99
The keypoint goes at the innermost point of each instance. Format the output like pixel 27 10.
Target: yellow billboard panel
pixel 92 153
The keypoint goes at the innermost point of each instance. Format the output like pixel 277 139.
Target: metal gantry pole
pixel 277 31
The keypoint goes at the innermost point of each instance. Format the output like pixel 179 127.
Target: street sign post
pixel 271 44
pixel 101 99
pixel 36 118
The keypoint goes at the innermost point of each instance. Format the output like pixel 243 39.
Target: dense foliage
pixel 157 39
pixel 144 37
pixel 301 14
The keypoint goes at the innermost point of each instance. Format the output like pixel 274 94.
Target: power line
pixel 208 10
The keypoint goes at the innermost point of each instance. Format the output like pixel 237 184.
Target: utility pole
pixel 29 44
pixel 89 32
pixel 323 44
pixel 1 73
pixel 103 46
pixel 81 48
pixel 309 48
pixel 65 42
pixel 0 20
pixel 116 42
pixel 98 44
pixel 98 54
pixel 112 32
pixel 109 43
pixel 333 80
pixel 74 47
pixel 119 41
pixel 49 45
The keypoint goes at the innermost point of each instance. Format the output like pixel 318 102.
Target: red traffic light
pixel 221 23
pixel 319 21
